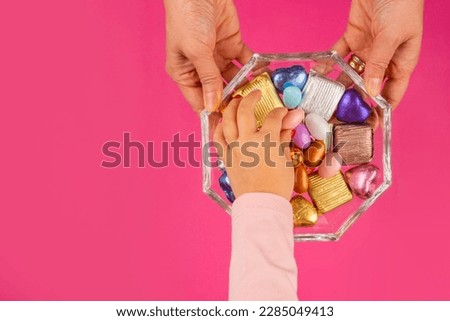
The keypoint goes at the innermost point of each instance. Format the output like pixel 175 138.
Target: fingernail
pixel 211 101
pixel 374 86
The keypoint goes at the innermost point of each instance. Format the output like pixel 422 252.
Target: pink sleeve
pixel 262 249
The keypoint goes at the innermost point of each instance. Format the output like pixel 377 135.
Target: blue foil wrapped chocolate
pixel 224 183
pixel 292 76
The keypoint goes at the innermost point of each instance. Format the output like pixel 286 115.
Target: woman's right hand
pixel 203 39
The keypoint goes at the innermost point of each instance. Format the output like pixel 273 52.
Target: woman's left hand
pixel 387 35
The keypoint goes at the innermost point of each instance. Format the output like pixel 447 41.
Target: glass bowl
pixel 331 225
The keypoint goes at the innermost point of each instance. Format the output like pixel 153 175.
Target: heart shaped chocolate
pixel 352 108
pixel 224 183
pixel 304 212
pixel 292 76
pixel 363 180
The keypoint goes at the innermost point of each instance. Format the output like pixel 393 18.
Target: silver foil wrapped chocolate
pixel 321 95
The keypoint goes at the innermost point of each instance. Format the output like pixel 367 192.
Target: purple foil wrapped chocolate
pixel 302 137
pixel 352 108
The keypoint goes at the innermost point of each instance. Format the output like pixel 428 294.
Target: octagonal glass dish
pixel 332 225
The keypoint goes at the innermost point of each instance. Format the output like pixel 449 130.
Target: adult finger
pixel 341 47
pixel 211 79
pixel 381 53
pixel 193 96
pixel 394 89
pixel 230 128
pixel 230 71
pixel 245 55
pixel 246 120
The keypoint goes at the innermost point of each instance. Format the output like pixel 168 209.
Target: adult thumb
pixel 211 79
pixel 382 51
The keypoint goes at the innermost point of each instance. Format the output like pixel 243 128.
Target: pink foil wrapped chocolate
pixel 363 180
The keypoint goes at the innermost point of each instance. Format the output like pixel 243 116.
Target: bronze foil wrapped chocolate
pixel 301 180
pixel 328 193
pixel 269 97
pixel 304 212
pixel 313 155
pixel 354 143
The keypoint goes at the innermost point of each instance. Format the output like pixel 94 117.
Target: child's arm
pixel 262 260
pixel 262 257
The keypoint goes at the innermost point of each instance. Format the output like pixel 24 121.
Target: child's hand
pixel 256 160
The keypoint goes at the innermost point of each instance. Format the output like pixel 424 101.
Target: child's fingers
pixel 230 129
pixel 220 142
pixel 292 119
pixel 273 121
pixel 285 140
pixel 245 114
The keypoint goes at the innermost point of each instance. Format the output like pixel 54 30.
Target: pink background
pixel 75 74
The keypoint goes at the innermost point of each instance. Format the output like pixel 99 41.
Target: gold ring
pixel 357 64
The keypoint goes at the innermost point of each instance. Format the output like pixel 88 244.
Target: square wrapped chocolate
pixel 269 96
pixel 354 143
pixel 328 193
pixel 321 95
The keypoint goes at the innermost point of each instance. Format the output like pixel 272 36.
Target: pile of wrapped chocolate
pixel 332 146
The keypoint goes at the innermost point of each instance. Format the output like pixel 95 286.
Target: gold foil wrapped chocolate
pixel 354 143
pixel 328 193
pixel 269 97
pixel 301 181
pixel 304 212
pixel 321 95
pixel 313 155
